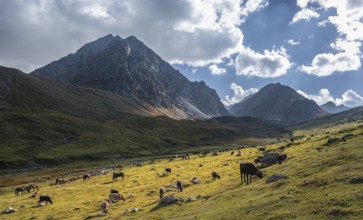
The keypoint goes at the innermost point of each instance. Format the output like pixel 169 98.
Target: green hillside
pixel 51 122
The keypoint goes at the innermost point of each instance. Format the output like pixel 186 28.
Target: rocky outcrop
pixel 129 68
pixel 195 180
pixel 269 159
pixel 167 200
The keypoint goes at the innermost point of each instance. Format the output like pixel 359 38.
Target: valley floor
pixel 323 183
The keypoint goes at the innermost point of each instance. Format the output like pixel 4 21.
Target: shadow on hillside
pixel 95 216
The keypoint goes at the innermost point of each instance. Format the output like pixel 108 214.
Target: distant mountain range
pixel 280 103
pixel 332 108
pixel 132 70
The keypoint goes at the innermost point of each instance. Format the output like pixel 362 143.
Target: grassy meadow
pixel 318 185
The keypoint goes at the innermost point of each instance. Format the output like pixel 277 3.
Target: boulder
pixel 9 210
pixel 275 177
pixel 167 200
pixel 269 159
pixel 195 180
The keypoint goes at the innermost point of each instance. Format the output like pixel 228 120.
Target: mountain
pixel 278 102
pixel 132 70
pixel 332 108
pixel 45 121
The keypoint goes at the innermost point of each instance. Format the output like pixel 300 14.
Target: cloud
pixel 292 42
pixel 304 14
pixel 326 64
pixel 269 64
pixel 323 97
pixel 194 32
pixel 349 98
pixel 348 22
pixel 239 94
pixel 215 70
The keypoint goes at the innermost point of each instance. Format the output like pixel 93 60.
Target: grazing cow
pixel 152 161
pixel 115 197
pixel 162 192
pixel 171 159
pixel 248 169
pixel 45 199
pixel 232 153
pixel 115 175
pixel 86 176
pixel 22 189
pixel 59 181
pixel 179 184
pixel 72 179
pixel 184 158
pixel 105 204
pixel 215 154
pixel 33 186
pixel 168 170
pixel 282 148
pixel 262 149
pixel 215 175
pixel 282 158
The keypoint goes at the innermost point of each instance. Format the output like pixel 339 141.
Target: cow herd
pixel 247 170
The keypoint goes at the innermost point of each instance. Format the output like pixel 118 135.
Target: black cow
pixel 22 189
pixel 282 158
pixel 248 169
pixel 115 175
pixel 45 199
pixel 215 175
pixel 168 170
pixel 86 176
pixel 179 184
pixel 114 191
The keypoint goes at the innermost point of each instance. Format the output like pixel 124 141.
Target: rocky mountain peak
pixel 278 102
pixel 331 107
pixel 129 68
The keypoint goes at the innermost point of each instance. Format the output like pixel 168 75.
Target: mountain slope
pixel 45 121
pixel 278 102
pixel 129 68
pixel 351 115
pixel 332 108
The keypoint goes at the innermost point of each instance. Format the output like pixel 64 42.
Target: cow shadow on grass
pixel 95 216
pixel 109 182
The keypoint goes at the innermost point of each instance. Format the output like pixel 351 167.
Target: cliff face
pixel 129 68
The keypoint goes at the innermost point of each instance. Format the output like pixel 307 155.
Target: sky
pixel 235 46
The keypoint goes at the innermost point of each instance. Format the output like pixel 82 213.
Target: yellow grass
pixel 317 187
